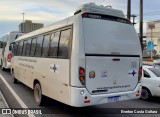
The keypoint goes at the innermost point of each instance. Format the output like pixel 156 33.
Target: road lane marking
pixel 15 95
pixel 5 102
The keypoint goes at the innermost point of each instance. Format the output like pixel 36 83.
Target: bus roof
pixel 48 28
pixel 93 8
pixel 13 32
pixel 86 8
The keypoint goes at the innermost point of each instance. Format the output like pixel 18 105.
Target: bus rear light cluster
pixel 140 74
pixel 85 15
pixel 82 75
pixel 9 57
pixel 129 22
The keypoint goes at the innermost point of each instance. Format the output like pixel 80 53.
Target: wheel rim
pixel 144 94
pixel 37 93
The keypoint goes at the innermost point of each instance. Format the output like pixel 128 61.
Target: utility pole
pixel 134 16
pixel 151 44
pixel 129 9
pixel 23 22
pixel 141 24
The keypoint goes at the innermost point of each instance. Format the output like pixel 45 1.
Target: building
pixel 154 37
pixel 29 26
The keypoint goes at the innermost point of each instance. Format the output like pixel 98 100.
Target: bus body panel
pixel 7 40
pixel 53 75
pixel 95 45
pixel 113 55
pixel 111 74
pixel 77 56
pixel 78 100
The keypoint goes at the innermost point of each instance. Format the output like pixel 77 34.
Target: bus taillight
pixel 140 74
pixel 82 75
pixel 9 57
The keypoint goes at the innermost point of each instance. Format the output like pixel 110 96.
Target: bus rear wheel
pixel 39 98
pixel 15 81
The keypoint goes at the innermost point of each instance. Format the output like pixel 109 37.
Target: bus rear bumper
pixel 8 65
pixel 80 97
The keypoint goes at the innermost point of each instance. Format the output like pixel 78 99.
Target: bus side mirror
pixel 10 47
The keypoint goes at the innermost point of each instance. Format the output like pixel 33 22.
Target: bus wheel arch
pixel 38 96
pixel 15 81
pixel 12 72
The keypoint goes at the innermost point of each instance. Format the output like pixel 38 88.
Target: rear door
pixel 112 50
pixel 106 74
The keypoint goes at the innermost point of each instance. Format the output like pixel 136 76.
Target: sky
pixel 50 11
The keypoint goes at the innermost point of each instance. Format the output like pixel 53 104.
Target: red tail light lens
pixel 81 71
pixel 85 15
pixel 140 74
pixel 9 56
pixel 82 75
pixel 129 22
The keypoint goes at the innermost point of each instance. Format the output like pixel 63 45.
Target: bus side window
pixel 28 47
pixel 16 37
pixel 54 44
pixel 20 48
pixel 45 45
pixel 4 44
pixel 3 47
pixel 39 46
pixel 64 44
pixel 24 48
pixel 33 46
pixel 16 48
pixel 11 48
pixel 1 44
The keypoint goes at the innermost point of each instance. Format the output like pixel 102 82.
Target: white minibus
pixel 5 52
pixel 91 58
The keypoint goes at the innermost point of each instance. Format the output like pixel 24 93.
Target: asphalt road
pixel 57 109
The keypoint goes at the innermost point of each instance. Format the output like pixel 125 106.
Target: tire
pixel 145 94
pixel 2 66
pixel 15 81
pixel 39 98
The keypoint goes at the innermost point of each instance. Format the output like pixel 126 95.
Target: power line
pixel 152 12
pixel 147 21
pixel 149 13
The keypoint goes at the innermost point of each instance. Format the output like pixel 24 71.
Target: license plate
pixel 114 99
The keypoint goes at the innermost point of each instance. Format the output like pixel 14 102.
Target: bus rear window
pixel 105 17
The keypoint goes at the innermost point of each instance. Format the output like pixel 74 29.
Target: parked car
pixel 157 65
pixel 150 82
